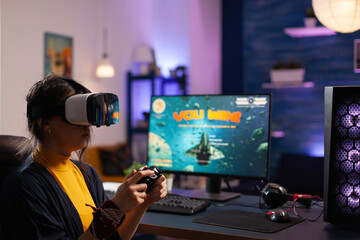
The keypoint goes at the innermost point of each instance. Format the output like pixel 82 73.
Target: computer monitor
pixel 218 136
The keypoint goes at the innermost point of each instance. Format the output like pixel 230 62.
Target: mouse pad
pixel 257 222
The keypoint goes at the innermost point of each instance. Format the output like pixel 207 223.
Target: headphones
pixel 275 196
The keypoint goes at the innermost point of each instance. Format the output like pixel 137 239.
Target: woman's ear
pixel 43 125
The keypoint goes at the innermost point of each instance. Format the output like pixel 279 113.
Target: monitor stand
pixel 213 191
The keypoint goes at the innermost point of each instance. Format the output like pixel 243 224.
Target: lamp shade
pixel 143 54
pixel 339 15
pixel 105 69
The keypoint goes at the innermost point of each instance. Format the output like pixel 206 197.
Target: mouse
pixel 278 215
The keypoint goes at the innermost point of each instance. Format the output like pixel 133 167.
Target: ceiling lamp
pixel 105 69
pixel 339 15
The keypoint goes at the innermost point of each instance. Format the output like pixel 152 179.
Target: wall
pixel 328 60
pixel 22 49
pixel 205 49
pixel 171 34
pixel 232 50
pixel 0 56
pixel 129 23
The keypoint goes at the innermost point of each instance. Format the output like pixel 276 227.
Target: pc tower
pixel 342 155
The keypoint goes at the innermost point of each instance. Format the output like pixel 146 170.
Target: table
pixel 181 226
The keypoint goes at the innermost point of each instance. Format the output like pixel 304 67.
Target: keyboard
pixel 173 203
pixel 109 193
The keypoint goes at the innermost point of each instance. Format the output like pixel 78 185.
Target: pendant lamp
pixel 339 15
pixel 105 69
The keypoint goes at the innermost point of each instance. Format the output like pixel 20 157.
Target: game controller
pixel 151 179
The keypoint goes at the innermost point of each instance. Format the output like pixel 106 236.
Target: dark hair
pixel 45 96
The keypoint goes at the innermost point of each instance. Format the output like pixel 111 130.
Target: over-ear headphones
pixel 275 195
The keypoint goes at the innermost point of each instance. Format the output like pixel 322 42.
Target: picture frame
pixel 357 55
pixel 58 54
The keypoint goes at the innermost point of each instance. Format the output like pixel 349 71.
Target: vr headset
pixel 92 109
pixel 82 109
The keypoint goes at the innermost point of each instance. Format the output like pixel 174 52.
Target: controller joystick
pixel 151 179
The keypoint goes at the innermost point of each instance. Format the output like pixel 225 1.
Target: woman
pixel 54 197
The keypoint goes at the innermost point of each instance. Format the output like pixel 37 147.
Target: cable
pixel 299 196
pixel 228 184
pixel 263 207
pixel 260 205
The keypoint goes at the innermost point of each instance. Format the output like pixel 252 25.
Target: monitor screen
pixel 211 135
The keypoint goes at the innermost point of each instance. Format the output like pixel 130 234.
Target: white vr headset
pixel 92 109
pixel 82 109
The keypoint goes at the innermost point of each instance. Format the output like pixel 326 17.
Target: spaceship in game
pixel 204 152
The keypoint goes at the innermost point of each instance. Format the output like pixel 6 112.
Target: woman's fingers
pixel 131 174
pixel 158 192
pixel 139 175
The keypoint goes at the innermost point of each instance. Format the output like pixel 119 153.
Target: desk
pixel 181 226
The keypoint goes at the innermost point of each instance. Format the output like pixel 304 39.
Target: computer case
pixel 342 155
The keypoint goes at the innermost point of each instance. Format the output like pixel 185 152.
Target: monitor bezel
pixel 229 176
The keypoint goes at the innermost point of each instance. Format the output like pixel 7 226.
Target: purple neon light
pixel 357 121
pixel 347 144
pixel 340 178
pixel 278 134
pixel 357 144
pixel 357 167
pixel 337 166
pixel 357 212
pixel 346 190
pixel 341 155
pixel 353 179
pixel 297 32
pixel 342 110
pixel 354 132
pixel 348 100
pixel 357 190
pixel 347 121
pixel 346 166
pixel 353 200
pixel 342 131
pixel 354 156
pixel 354 109
pixel 347 210
pixel 341 200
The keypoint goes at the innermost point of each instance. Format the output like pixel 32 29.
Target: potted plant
pixel 310 18
pixel 291 72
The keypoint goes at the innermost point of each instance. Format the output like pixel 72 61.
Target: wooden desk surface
pixel 181 226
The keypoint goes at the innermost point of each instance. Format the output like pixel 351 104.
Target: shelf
pixel 141 127
pixel 142 77
pixel 131 130
pixel 299 32
pixel 288 85
pixel 139 130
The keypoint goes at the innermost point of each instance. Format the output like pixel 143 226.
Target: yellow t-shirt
pixel 71 180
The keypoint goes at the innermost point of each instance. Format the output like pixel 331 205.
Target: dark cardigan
pixel 34 206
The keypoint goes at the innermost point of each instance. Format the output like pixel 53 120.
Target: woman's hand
pixel 129 195
pixel 158 192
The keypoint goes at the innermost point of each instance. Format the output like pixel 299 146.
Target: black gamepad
pixel 151 179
